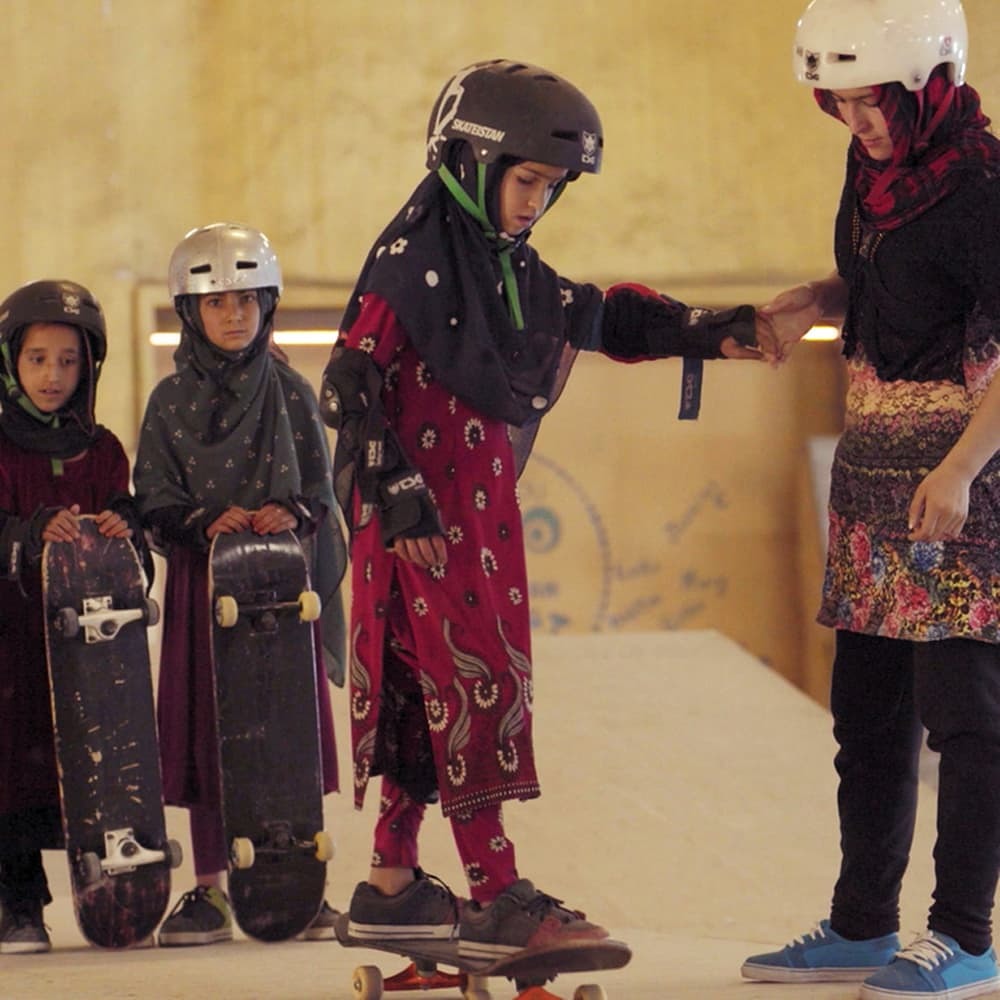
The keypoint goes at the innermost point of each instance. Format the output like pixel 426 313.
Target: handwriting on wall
pixel 583 574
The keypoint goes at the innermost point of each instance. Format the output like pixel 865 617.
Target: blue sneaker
pixel 934 966
pixel 822 956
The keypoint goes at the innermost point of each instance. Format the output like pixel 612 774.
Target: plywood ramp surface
pixel 688 805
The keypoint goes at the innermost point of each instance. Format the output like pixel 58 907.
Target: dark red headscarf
pixel 938 135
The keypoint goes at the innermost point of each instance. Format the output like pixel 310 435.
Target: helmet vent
pixel 246 265
pixel 201 269
pixel 844 57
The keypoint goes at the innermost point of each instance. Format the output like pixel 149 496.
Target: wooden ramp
pixel 688 805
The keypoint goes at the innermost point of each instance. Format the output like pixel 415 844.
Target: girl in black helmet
pixel 56 462
pixel 457 340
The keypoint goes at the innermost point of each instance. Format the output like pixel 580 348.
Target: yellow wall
pixel 127 122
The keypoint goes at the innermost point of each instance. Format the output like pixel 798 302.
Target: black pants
pixel 22 880
pixel 885 692
pixel 22 836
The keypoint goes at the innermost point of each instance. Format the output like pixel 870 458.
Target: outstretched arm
pixel 639 324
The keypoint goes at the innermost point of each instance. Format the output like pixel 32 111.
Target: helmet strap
pixel 16 393
pixel 479 213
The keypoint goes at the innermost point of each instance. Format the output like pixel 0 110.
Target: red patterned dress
pixel 463 627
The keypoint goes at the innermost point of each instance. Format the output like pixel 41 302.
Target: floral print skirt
pixel 877 581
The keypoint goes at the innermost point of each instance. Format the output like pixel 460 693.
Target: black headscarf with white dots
pixel 441 275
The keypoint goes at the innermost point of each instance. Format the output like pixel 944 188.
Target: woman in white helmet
pixel 914 538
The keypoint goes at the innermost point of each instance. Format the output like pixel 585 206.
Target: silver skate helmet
pixel 504 108
pixel 223 257
pixel 843 44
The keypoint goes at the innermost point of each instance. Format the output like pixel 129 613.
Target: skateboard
pixel 529 969
pixel 96 614
pixel 268 727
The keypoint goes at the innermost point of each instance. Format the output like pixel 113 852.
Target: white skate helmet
pixel 843 44
pixel 223 257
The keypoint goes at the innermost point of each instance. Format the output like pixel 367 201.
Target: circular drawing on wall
pixel 568 552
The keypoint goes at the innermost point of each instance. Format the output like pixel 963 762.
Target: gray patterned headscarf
pixel 239 429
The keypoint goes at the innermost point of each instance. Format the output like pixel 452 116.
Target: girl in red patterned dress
pixel 457 340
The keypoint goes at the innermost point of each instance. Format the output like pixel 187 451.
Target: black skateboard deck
pixel 529 969
pixel 268 722
pixel 96 615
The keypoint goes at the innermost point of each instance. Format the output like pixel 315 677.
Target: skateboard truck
pixel 279 840
pixel 264 609
pixel 101 622
pixel 123 854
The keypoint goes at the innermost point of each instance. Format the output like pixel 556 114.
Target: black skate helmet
pixel 55 302
pixel 505 108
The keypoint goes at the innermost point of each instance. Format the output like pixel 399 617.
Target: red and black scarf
pixel 939 134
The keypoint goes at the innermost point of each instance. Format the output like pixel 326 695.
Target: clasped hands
pixel 781 324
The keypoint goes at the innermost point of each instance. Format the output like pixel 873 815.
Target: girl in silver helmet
pixel 232 441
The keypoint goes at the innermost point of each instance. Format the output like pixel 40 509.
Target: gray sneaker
pixel 322 928
pixel 521 917
pixel 425 909
pixel 22 930
pixel 201 916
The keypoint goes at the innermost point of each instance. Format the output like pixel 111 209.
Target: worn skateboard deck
pixel 96 615
pixel 268 722
pixel 529 969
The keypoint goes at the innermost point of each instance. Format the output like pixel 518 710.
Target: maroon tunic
pixel 189 750
pixel 28 778
pixel 464 629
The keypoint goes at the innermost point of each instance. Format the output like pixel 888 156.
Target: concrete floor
pixel 688 805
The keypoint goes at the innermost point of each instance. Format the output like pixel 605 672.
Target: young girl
pixel 457 340
pixel 56 462
pixel 231 442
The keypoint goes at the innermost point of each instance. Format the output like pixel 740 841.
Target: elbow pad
pixel 350 382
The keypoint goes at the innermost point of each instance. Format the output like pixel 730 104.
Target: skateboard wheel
pixel 227 611
pixel 152 615
pixel 67 622
pixel 324 846
pixel 367 983
pixel 310 606
pixel 241 852
pixel 90 868
pixel 590 993
pixel 174 854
